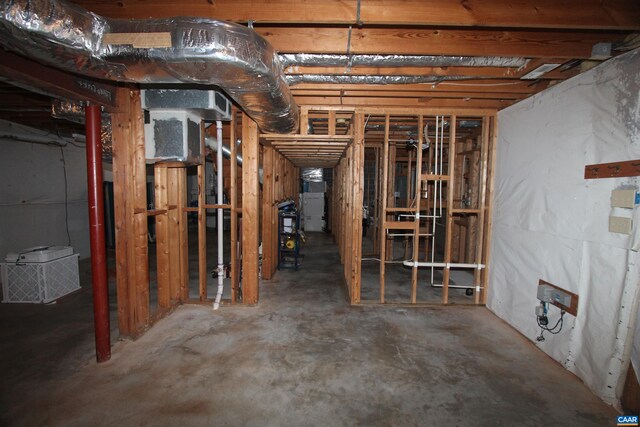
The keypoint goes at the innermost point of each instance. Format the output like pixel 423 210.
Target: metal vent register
pixel 172 122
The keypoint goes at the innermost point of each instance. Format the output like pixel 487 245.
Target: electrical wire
pixel 378 259
pixel 66 196
pixel 554 330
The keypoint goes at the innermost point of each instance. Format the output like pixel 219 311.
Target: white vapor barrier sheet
pixel 550 223
pixel 32 197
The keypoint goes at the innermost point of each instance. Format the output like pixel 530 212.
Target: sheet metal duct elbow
pixel 202 51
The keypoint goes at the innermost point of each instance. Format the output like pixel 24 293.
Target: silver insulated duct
pixel 180 50
pixel 331 60
pixel 370 80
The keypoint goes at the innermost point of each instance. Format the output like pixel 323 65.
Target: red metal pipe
pixel 96 233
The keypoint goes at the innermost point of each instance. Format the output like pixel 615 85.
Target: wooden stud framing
pixel 250 210
pixel 391 194
pixel 357 189
pixel 493 139
pixel 450 185
pixel 129 170
pixel 268 217
pixel 233 195
pixel 479 237
pixel 171 234
pixel 183 233
pixel 280 182
pixel 408 198
pixel 163 240
pixel 376 209
pixel 383 207
pixel 416 223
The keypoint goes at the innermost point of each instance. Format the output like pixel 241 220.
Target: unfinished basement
pixel 351 212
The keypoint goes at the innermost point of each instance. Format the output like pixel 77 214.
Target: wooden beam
pixel 390 196
pixel 233 194
pixel 357 187
pixel 418 102
pixel 300 138
pixel 163 242
pixel 472 86
pixel 53 82
pixel 481 203
pixel 129 170
pixel 396 91
pixel 123 212
pixel 183 225
pixel 139 182
pixel 588 14
pixel 430 41
pixel 174 217
pixel 383 207
pixel 493 139
pixel 446 274
pixel 268 201
pixel 250 210
pixel 332 123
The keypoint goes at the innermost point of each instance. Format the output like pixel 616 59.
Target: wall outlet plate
pixel 618 224
pixel 550 294
pixel 624 198
pixel 561 298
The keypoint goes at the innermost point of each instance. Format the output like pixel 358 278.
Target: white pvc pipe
pixel 477 288
pixel 220 217
pixel 411 263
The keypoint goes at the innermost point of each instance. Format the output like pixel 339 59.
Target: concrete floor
pixel 301 357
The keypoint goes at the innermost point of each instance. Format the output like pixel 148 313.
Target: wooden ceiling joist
pixel 541 31
pixel 397 92
pixel 485 85
pixel 405 102
pixel 587 14
pixel 420 41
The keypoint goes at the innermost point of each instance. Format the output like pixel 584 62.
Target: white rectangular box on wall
pixel 624 198
pixel 39 282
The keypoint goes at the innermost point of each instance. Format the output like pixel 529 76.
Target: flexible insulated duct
pixel 201 51
pixel 326 60
pixel 73 111
pixel 212 143
pixel 370 80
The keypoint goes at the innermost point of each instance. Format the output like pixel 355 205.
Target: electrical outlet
pixel 618 224
pixel 550 294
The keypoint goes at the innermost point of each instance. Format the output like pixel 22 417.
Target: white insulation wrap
pixel 550 223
